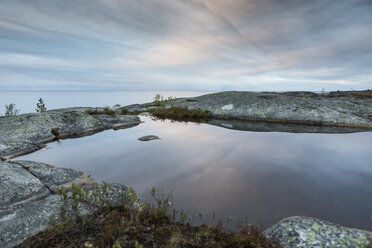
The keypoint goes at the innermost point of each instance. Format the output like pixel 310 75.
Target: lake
pixel 26 101
pixel 260 177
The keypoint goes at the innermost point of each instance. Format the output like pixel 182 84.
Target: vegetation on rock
pixel 10 110
pixel 134 224
pixel 181 114
pixel 40 106
pixel 96 111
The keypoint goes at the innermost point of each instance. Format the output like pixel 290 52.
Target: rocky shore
pixel 335 109
pixel 28 199
pixel 26 133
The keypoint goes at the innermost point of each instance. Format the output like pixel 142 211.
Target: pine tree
pixel 40 106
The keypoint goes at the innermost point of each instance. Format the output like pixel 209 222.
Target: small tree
pixel 10 110
pixel 40 106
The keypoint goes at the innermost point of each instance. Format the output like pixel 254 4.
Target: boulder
pixel 148 138
pixel 307 232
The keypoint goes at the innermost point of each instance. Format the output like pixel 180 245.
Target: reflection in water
pixel 262 126
pixel 262 176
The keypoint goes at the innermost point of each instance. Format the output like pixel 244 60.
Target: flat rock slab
pixel 29 220
pixel 29 132
pixel 307 232
pixel 54 177
pixel 148 138
pixel 28 201
pixel 289 107
pixel 18 186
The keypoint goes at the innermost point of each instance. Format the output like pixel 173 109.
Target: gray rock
pixel 28 207
pixel 18 186
pixel 29 220
pixel 289 107
pixel 40 215
pixel 148 138
pixel 307 232
pixel 29 132
pixel 55 177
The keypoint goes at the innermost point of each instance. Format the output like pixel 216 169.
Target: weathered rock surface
pixel 307 232
pixel 54 177
pixel 28 201
pixel 18 186
pixel 29 132
pixel 289 107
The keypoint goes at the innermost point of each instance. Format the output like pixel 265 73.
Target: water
pixel 261 176
pixel 26 101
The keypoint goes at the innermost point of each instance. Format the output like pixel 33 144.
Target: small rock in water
pixel 148 138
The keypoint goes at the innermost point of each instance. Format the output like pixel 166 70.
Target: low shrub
pixel 181 114
pixel 10 110
pixel 124 111
pixel 133 224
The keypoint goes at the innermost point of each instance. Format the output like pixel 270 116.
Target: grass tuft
pixel 181 114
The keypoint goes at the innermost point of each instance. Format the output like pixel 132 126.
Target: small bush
pixel 124 111
pixel 92 111
pixel 181 114
pixel 160 101
pixel 10 110
pixel 108 111
pixel 40 106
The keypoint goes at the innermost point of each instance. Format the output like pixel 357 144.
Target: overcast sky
pixel 185 44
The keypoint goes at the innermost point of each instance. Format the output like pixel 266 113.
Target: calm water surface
pixel 26 101
pixel 261 176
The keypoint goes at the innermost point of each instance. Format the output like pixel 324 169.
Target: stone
pixel 28 199
pixel 29 220
pixel 18 186
pixel 148 138
pixel 307 232
pixel 54 177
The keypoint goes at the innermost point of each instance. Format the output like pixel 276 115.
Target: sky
pixel 255 45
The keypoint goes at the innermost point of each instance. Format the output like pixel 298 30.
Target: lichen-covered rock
pixel 54 177
pixel 29 132
pixel 18 186
pixel 28 220
pixel 307 232
pixel 28 200
pixel 284 106
pixel 289 107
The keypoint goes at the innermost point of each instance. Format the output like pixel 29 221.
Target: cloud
pixel 186 44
